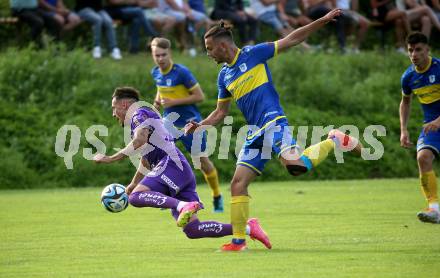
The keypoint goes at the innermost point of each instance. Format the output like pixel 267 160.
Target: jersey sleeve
pixel 188 79
pixel 406 89
pixel 152 72
pixel 138 120
pixel 144 120
pixel 223 93
pixel 264 51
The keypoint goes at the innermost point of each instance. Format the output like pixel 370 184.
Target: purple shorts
pixel 174 180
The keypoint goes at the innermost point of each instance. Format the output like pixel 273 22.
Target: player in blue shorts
pixel 170 182
pixel 422 79
pixel 178 92
pixel 246 79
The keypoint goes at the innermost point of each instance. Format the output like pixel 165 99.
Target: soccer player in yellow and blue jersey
pixel 422 79
pixel 178 91
pixel 246 79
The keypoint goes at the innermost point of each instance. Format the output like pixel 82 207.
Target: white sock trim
pixel 181 205
pixel 434 206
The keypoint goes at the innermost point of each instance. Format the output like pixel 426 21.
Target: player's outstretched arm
pixel 299 35
pixel 404 109
pixel 214 118
pixel 140 139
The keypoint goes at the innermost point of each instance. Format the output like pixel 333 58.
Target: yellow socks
pixel 212 181
pixel 428 182
pixel 239 216
pixel 318 153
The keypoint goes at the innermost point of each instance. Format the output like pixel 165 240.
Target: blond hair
pixel 161 43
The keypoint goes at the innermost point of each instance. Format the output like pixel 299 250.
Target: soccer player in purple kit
pixel 170 183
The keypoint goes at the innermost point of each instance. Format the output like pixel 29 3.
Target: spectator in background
pixel 172 9
pixel 292 12
pixel 435 6
pixel 28 12
pixel 233 10
pixel 182 12
pixel 419 15
pixel 56 8
pixel 349 9
pixel 161 21
pixel 266 11
pixel 385 11
pixel 92 12
pixel 128 11
pixel 318 8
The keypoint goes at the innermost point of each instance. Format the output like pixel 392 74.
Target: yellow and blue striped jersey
pixel 426 86
pixel 248 81
pixel 175 83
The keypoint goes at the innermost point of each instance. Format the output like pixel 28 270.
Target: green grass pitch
pixel 318 229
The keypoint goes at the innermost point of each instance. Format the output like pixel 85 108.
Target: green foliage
pixel 44 90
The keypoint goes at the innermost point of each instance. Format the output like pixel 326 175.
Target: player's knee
pixel 190 234
pixel 189 230
pixel 296 170
pixel 133 199
pixel 426 21
pixel 238 186
pixel 424 159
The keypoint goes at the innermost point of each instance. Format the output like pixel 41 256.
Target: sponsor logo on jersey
pixel 243 67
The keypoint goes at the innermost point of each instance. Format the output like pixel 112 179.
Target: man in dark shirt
pixel 233 11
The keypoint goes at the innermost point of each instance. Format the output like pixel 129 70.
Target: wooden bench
pixel 381 29
pixel 376 24
pixel 9 20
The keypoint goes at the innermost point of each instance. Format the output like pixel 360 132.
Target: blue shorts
pixel 188 141
pixel 176 131
pixel 429 141
pixel 258 147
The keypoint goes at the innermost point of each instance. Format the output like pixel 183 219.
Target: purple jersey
pixel 160 144
pixel 170 172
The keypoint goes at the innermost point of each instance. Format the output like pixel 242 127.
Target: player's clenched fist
pixel 191 127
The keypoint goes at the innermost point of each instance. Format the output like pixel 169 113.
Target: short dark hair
pixel 161 43
pixel 417 37
pixel 126 93
pixel 221 30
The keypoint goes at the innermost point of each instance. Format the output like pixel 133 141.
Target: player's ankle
pixel 238 241
pixel 181 205
pixel 434 206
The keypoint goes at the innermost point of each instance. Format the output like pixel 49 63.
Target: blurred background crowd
pixel 185 21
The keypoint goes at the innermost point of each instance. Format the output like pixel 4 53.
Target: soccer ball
pixel 114 198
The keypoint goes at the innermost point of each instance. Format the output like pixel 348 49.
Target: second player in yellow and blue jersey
pixel 178 92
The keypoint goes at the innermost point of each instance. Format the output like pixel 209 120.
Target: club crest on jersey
pixel 168 81
pixel 432 78
pixel 243 67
